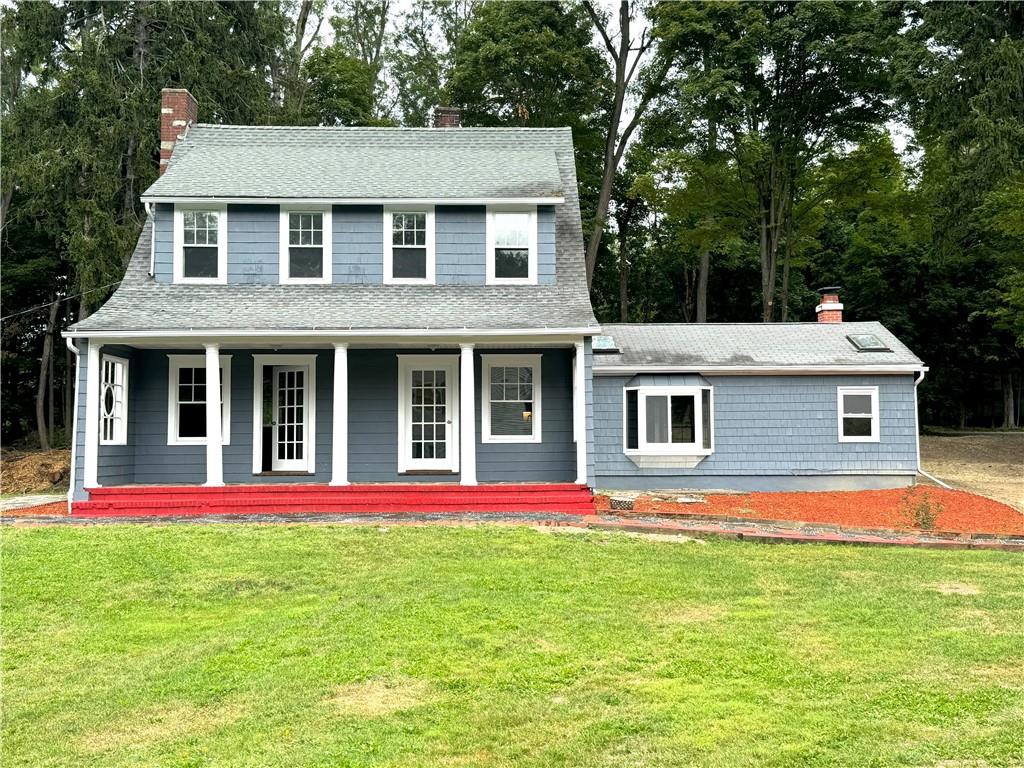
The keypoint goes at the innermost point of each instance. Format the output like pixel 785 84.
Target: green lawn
pixel 310 645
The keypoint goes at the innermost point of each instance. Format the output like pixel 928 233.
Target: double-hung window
pixel 200 244
pixel 305 245
pixel 114 401
pixel 858 414
pixel 187 395
pixel 670 421
pixel 511 399
pixel 511 245
pixel 409 245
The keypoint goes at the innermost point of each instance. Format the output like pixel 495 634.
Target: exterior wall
pixel 78 490
pixel 771 433
pixel 357 245
pixel 373 424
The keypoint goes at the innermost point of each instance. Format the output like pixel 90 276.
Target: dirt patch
pixel 34 471
pixel 54 508
pixel 378 697
pixel 957 588
pixel 952 510
pixel 991 464
pixel 155 724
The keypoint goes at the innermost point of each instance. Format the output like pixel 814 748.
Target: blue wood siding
pixel 545 244
pixel 254 244
pixel 358 246
pixel 163 242
pixel 771 432
pixel 460 236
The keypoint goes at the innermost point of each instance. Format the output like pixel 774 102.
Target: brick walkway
pixel 781 532
pixel 35 500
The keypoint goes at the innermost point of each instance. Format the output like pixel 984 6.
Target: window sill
pixel 492 440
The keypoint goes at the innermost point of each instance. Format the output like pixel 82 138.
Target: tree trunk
pixel 787 254
pixel 1009 415
pixel 702 285
pixel 49 386
pixel 44 368
pixel 623 275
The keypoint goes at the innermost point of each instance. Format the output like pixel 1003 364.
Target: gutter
pixel 414 334
pixel 917 435
pixel 74 428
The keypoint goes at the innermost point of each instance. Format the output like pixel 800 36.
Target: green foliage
pixel 341 88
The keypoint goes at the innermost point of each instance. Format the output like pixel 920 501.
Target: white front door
pixel 428 415
pixel 291 425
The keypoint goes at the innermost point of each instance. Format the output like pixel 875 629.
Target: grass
pixel 246 645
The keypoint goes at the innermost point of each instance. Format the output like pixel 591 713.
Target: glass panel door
pixel 430 418
pixel 290 430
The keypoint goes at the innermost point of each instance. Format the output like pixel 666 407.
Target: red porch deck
pixel 173 501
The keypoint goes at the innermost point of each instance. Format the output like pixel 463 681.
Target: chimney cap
pixel 829 289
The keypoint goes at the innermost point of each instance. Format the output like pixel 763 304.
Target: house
pixel 399 318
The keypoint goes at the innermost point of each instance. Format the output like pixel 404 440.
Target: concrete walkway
pixel 765 532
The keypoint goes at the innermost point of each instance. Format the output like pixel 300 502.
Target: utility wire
pixel 49 304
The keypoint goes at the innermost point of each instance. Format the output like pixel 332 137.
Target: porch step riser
pixel 92 509
pixel 350 500
pixel 361 489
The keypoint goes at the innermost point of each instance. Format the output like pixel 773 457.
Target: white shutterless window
pixel 409 254
pixel 858 414
pixel 200 244
pixel 186 399
pixel 511 246
pixel 114 401
pixel 511 399
pixel 305 245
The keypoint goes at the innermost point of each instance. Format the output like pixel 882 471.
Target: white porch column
pixel 339 440
pixel 214 438
pixel 467 416
pixel 579 414
pixel 92 415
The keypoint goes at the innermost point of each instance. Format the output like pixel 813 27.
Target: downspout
pixel 917 435
pixel 152 238
pixel 74 427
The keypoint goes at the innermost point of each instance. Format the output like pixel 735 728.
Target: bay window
pixel 671 421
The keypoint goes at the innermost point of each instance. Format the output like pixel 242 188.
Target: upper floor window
pixel 409 245
pixel 858 414
pixel 200 245
pixel 306 246
pixel 669 421
pixel 511 246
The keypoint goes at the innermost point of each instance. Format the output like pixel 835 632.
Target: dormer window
pixel 200 244
pixel 511 246
pixel 305 245
pixel 409 245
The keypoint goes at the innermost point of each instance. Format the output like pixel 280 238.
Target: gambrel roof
pixel 442 164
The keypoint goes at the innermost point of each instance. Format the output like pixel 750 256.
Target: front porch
pixel 344 427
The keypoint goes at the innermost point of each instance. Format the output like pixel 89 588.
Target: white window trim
pixel 284 262
pixel 222 243
pixel 121 430
pixel 875 435
pixel 258 363
pixel 406 363
pixel 492 361
pixel 667 449
pixel 431 272
pixel 531 278
pixel 176 363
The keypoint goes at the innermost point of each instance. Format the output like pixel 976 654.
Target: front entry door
pixel 290 422
pixel 428 413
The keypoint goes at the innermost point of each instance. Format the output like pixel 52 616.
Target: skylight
pixel 605 344
pixel 867 342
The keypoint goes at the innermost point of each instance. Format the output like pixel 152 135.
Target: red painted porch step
pixel 139 501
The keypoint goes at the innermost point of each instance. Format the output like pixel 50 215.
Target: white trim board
pixel 330 335
pixel 258 363
pixel 746 370
pixel 549 200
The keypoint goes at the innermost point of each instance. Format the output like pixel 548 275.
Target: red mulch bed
pixel 899 509
pixel 56 508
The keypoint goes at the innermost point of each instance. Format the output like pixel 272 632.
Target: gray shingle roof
pixel 749 344
pixel 237 161
pixel 142 304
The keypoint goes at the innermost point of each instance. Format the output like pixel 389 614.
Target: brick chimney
pixel 829 310
pixel 178 110
pixel 447 117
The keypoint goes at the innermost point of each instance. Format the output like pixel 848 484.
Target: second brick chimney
pixel 178 110
pixel 447 117
pixel 829 310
